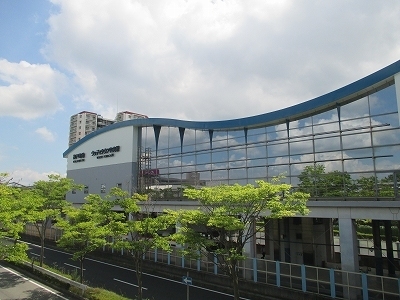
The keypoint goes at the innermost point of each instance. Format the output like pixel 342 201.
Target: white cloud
pixel 45 134
pixel 209 60
pixel 29 90
pixel 28 177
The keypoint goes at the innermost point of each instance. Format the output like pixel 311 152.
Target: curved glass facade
pixel 348 151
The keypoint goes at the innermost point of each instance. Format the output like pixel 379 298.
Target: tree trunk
pixel 42 235
pixel 138 266
pixel 81 265
pixel 235 279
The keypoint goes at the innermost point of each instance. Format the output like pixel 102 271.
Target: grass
pixel 90 293
pixel 99 294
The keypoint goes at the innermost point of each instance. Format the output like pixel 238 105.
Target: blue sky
pixel 194 60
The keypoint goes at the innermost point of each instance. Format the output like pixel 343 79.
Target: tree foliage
pixel 143 231
pixel 225 221
pixel 86 229
pixel 52 196
pixel 16 205
pixel 319 183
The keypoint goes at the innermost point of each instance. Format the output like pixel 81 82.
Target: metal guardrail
pixel 330 282
pixel 59 277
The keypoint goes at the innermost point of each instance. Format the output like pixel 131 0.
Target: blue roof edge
pixel 348 93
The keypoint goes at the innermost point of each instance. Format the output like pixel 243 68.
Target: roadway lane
pixel 17 287
pixel 123 280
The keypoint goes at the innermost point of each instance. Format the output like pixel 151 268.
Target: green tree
pixel 86 229
pixel 365 187
pixel 142 232
pixel 387 186
pixel 16 205
pixel 338 184
pixel 312 180
pixel 52 194
pixel 318 183
pixel 225 221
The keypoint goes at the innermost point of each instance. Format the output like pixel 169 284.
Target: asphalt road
pixel 123 280
pixel 17 287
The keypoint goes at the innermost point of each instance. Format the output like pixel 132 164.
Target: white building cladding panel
pixel 117 146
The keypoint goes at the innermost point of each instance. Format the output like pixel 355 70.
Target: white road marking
pixel 74 266
pixel 41 286
pixel 155 276
pixel 143 288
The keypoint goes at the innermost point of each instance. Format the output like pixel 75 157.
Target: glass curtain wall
pixel 350 151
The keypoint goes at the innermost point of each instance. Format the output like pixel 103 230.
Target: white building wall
pixel 126 138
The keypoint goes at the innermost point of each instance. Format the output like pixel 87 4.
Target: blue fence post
pixel 215 265
pixel 155 255
pixel 364 286
pixel 303 278
pixel 183 261
pixel 332 281
pixel 255 269
pixel 169 258
pixel 278 273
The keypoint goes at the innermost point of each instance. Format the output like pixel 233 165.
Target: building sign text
pixel 78 157
pixel 106 152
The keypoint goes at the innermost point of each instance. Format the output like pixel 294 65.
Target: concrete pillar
pixel 348 245
pixel 349 255
pixel 249 250
pixel 250 245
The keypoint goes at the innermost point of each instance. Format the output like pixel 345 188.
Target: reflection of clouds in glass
pixel 319 133
pixel 355 109
pixel 179 163
pixel 238 163
pixel 332 162
pixel 383 101
pixel 328 115
pixel 387 164
pixel 263 137
pixel 386 137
